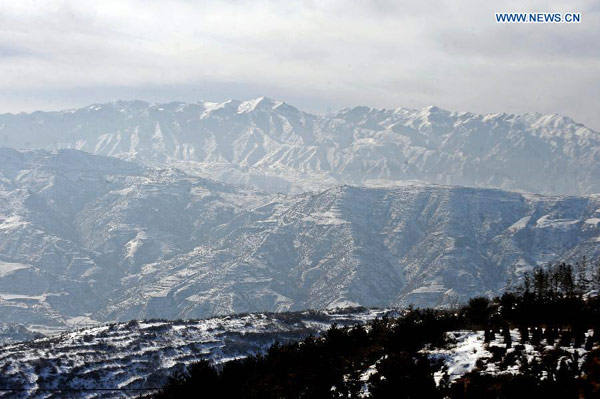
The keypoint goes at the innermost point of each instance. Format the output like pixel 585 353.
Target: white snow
pixel 520 224
pixel 7 268
pixel 11 222
pixel 325 218
pixel 592 221
pixel 546 222
pixel 364 378
pixel 134 245
pixel 462 356
pixel 468 347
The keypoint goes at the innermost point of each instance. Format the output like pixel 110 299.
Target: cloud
pixel 323 54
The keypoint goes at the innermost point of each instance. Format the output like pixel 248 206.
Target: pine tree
pixel 595 280
pixel 524 334
pixel 540 283
pixel 582 279
pixel 507 337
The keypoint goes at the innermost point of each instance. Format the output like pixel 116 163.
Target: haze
pixel 319 56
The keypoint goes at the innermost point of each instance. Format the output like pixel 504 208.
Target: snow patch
pixel 7 268
pixel 520 224
pixel 134 245
pixel 12 222
pixel 462 356
pixel 325 218
pixel 563 224
pixel 593 221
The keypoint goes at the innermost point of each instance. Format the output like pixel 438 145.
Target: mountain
pixel 72 225
pixel 425 245
pixel 275 147
pixel 87 239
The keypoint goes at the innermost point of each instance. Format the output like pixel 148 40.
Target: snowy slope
pixel 123 360
pixel 278 148
pixel 426 245
pixel 87 238
pixel 143 354
pixel 10 333
pixel 73 224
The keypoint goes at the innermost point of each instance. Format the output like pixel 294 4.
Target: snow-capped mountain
pixel 87 238
pixel 275 147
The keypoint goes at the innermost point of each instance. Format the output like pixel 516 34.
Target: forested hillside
pixel 539 339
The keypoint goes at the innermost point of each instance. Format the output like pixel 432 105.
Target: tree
pixel 540 283
pixel 595 280
pixel 478 310
pixel 582 279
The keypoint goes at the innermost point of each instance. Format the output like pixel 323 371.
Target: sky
pixel 316 55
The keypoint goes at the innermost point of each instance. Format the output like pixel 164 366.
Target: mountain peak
pixel 257 103
pixel 354 114
pixel 432 109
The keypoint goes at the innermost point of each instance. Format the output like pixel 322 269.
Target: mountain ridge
pixel 87 238
pixel 272 146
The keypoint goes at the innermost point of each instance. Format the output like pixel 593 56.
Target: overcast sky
pixel 318 56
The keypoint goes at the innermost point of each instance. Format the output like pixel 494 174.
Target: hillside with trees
pixel 539 339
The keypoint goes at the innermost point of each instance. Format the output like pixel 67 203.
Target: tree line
pixel 553 308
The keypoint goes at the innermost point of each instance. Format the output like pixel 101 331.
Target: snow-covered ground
pixel 462 354
pixel 467 350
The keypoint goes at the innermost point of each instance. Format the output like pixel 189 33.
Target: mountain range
pixel 87 238
pixel 278 148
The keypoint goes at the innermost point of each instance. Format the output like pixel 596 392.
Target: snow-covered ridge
pixel 143 354
pixel 124 358
pixel 274 146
